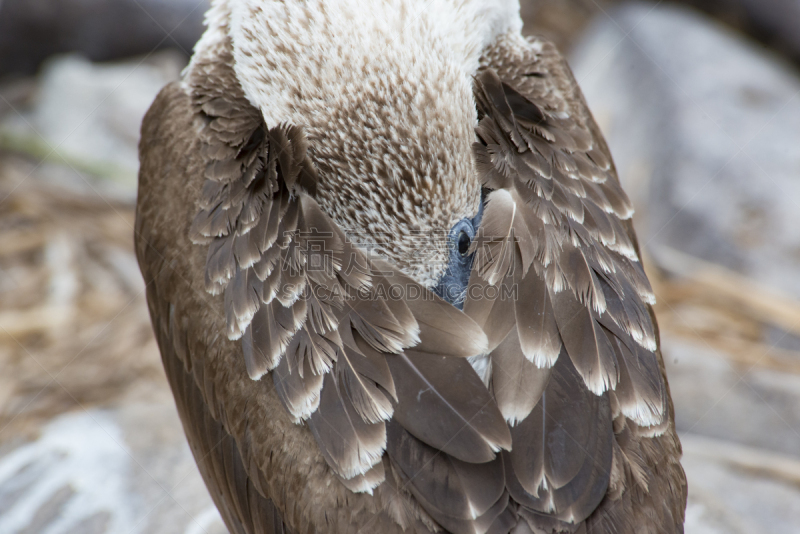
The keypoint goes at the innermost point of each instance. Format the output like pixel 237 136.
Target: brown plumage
pixel 374 418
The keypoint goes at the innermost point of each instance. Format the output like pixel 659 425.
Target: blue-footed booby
pixel 394 280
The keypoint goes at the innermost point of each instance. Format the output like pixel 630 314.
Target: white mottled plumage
pixel 366 86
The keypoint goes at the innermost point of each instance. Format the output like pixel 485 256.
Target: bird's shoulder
pixel 262 470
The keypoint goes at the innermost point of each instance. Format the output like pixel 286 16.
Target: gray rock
pixel 107 471
pixel 703 128
pixel 757 407
pixel 774 22
pixel 86 118
pixel 738 490
pixel 32 30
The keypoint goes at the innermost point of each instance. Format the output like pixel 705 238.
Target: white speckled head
pixel 383 89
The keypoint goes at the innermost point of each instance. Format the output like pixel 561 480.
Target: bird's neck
pixel 319 42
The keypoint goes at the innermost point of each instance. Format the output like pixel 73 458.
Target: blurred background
pixel 699 101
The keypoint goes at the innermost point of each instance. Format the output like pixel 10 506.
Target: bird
pixel 394 280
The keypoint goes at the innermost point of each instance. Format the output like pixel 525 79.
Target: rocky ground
pixel 703 126
pixel 89 438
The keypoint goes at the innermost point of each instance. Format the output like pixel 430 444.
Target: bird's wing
pixel 559 288
pixel 373 364
pixel 174 298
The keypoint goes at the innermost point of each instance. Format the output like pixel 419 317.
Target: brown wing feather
pixel 445 404
pixel 351 445
pixel 517 383
pixel 442 483
pixel 557 232
pixel 243 507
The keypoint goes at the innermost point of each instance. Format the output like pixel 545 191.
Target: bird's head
pixel 384 95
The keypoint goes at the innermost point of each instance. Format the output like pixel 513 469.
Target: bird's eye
pixel 463 243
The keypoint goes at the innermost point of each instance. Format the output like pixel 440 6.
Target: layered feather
pixel 317 312
pixel 552 236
